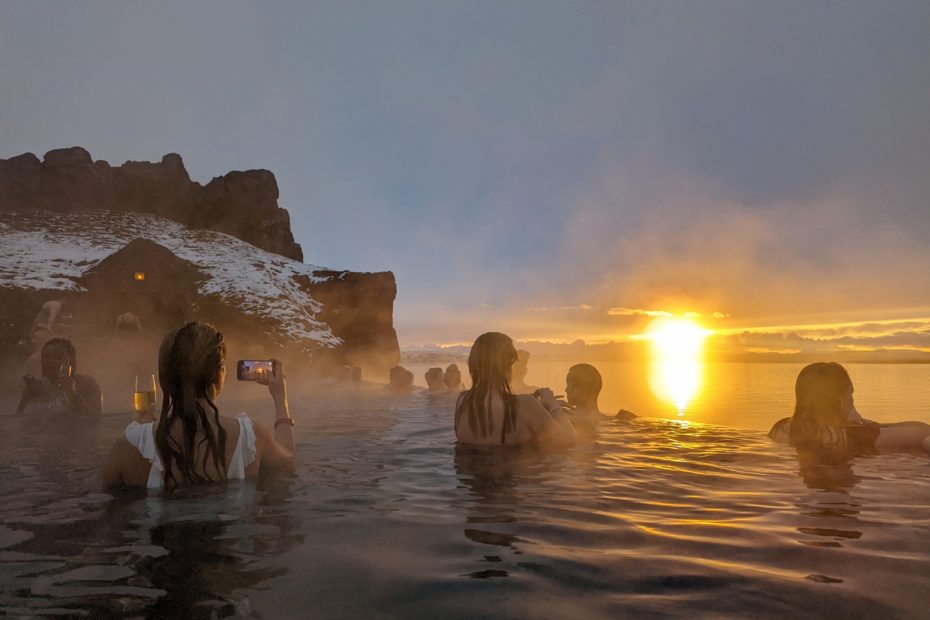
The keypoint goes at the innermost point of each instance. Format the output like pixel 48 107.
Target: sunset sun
pixel 677 367
pixel 676 338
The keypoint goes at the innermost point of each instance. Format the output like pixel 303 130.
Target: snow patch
pixel 49 250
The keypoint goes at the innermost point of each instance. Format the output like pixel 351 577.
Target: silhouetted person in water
pixel 452 378
pixel 191 443
pixel 518 383
pixel 401 380
pixel 434 381
pixel 51 322
pixel 490 414
pixel 60 390
pixel 825 419
pixel 583 385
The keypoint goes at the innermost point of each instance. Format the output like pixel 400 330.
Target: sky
pixel 554 170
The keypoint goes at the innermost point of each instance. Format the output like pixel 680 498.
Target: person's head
pixel 452 378
pixel 400 378
pixel 58 354
pixel 191 372
pixel 520 365
pixel 434 379
pixel 490 364
pixel 823 401
pixel 583 385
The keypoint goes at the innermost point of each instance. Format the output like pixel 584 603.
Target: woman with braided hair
pixel 191 443
pixel 490 414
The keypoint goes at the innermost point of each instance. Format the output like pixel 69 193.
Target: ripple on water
pixel 385 517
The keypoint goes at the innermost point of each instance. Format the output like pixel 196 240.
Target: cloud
pixel 663 158
pixel 579 307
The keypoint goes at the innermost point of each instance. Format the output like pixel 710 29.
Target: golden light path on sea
pixel 677 368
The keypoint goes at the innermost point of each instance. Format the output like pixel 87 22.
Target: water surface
pixel 386 518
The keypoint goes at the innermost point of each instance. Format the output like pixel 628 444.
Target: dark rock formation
pixel 242 204
pixel 358 307
pixel 143 278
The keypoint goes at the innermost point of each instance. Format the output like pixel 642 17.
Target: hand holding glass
pixel 143 399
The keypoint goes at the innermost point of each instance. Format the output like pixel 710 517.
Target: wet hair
pixel 65 344
pixel 395 374
pixel 189 364
pixel 452 377
pixel 587 376
pixel 400 378
pixel 434 378
pixel 490 364
pixel 819 416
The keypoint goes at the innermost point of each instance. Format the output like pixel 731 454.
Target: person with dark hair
pixel 191 443
pixel 825 418
pixel 583 385
pixel 433 378
pixel 60 390
pixel 401 380
pixel 489 413
pixel 452 378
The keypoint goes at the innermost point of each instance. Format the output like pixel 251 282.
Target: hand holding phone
pixel 255 370
pixel 265 372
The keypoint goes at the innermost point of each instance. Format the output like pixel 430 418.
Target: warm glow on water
pixel 677 369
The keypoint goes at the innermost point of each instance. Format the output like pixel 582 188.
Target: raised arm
pixel 549 422
pixel 276 450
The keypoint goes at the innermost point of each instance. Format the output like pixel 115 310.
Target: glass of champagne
pixel 143 399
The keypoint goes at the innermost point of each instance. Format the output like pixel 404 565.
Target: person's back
pixel 452 378
pixel 488 414
pixel 533 424
pixel 434 381
pixel 825 418
pixel 143 465
pixel 192 443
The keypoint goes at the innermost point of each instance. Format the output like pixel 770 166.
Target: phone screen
pixel 254 370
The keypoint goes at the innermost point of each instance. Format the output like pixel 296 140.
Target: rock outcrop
pixel 242 204
pixel 142 238
pixel 358 307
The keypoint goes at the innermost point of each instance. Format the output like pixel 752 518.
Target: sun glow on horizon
pixel 677 366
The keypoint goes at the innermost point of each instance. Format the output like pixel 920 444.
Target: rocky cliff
pixel 241 204
pixel 143 238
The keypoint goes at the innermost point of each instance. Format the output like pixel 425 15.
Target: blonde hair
pixel 490 364
pixel 819 415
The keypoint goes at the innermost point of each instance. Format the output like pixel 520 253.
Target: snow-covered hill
pixel 51 250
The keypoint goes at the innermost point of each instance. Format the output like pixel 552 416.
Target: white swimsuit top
pixel 142 436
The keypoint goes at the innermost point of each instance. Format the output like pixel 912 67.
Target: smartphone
pixel 254 370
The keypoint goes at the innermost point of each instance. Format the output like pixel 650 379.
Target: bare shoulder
pixel 125 467
pixel 781 430
pixel 532 413
pixel 527 400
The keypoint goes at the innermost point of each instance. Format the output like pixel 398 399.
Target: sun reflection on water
pixel 677 370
